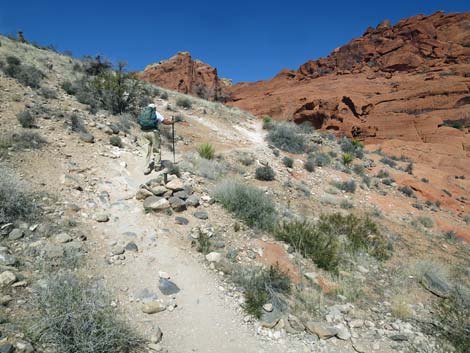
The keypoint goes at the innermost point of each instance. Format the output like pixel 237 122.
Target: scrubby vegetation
pixel 354 148
pixel 247 203
pixel 76 316
pixel 206 150
pixel 25 119
pixel 265 173
pixel 288 162
pixel 328 240
pixel 309 165
pixel 347 186
pixel 115 141
pixel 267 122
pixel 288 137
pixel 184 102
pixel 24 74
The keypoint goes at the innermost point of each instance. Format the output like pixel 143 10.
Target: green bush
pixel 184 102
pixel 388 161
pixel 262 285
pixel 346 205
pixel 426 221
pixel 359 169
pixel 383 174
pixel 288 137
pixel 348 158
pixel 288 162
pixel 48 93
pixel 69 88
pixel 407 191
pixel 267 122
pixel 204 244
pixel 27 140
pixel 309 165
pixel 206 150
pixel 321 241
pixel 353 147
pixel 76 316
pixel 25 119
pixel 348 186
pixel 24 74
pixel 164 96
pixel 321 159
pixel 16 202
pixel 265 173
pixel 246 159
pixel 247 203
pixel 115 141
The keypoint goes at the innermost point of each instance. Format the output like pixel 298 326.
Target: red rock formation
pixel 184 74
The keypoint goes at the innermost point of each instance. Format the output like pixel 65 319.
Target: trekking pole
pixel 173 133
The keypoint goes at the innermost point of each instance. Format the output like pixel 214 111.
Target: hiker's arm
pixel 168 121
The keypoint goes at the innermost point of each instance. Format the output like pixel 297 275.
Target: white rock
pixel 214 257
pixel 7 278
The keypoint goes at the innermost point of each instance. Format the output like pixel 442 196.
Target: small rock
pixel 268 307
pixel 157 335
pixel 7 278
pixel 181 194
pixel 167 287
pixel 192 201
pixel 357 323
pixel 155 347
pixel 175 185
pixel 153 307
pixel 102 217
pixel 71 182
pixel 436 285
pixel 159 190
pixel 163 274
pixel 177 204
pixel 6 348
pixel 118 250
pixel 295 323
pixel 343 332
pixel 399 338
pixel 63 238
pixel 322 331
pixel 181 221
pixel 7 259
pixel 24 347
pixel 142 194
pixel 214 257
pixel 155 203
pixel 201 215
pixel 131 246
pixel 16 234
pixel 87 137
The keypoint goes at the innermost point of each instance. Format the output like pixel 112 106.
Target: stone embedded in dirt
pixel 155 347
pixel 155 203
pixel 183 194
pixel 192 200
pixel 118 250
pixel 295 323
pixel 16 234
pixel 142 194
pixel 158 180
pixel 201 215
pixel 269 319
pixel 175 185
pixel 319 329
pixel 436 285
pixel 399 337
pixel 24 347
pixel 7 259
pixel 102 217
pixel 63 238
pixel 177 204
pixel 343 332
pixel 71 182
pixel 214 256
pixel 157 335
pixel 356 323
pixel 268 307
pixel 153 307
pixel 181 221
pixel 159 190
pixel 167 287
pixel 131 246
pixel 6 348
pixel 87 137
pixel 7 278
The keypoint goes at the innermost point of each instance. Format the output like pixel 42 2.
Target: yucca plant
pixel 347 159
pixel 206 150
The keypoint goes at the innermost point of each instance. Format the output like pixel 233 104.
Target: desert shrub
pixel 246 159
pixel 406 190
pixel 262 285
pixel 288 162
pixel 247 203
pixel 27 140
pixel 16 202
pixel 388 161
pixel 276 152
pixel 346 205
pixel 115 141
pixel 367 180
pixel 69 88
pixel 265 173
pixel 327 240
pixel 206 150
pixel 184 102
pixel 204 244
pixel 95 66
pixel 210 169
pixel 358 169
pixel 387 181
pixel 347 158
pixel 24 74
pixel 409 168
pixel 357 144
pixel 76 123
pixel 321 160
pixel 382 174
pixel 354 147
pixel 164 95
pixel 267 122
pixel 333 154
pixel 76 316
pixel 306 127
pixel 48 93
pixel 427 222
pixel 25 119
pixel 425 180
pixel 287 137
pixel 348 186
pixel 447 192
pixel 309 165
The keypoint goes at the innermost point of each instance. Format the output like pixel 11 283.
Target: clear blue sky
pixel 245 40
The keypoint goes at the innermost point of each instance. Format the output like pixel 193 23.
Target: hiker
pixel 149 121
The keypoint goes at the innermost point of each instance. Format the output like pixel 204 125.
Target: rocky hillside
pixel 184 74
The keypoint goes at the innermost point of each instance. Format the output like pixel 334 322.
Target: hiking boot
pixel 158 167
pixel 149 168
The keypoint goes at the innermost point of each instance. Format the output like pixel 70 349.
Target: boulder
pixel 192 200
pixel 167 287
pixel 155 203
pixel 142 194
pixel 175 185
pixel 214 257
pixel 7 278
pixel 321 330
pixel 201 215
pixel 177 204
pixel 153 307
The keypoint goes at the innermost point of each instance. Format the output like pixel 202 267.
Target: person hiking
pixel 149 121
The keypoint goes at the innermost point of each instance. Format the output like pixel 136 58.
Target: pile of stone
pixel 159 194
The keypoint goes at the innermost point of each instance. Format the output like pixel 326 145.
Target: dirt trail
pixel 206 319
